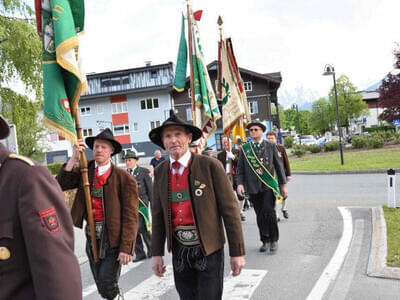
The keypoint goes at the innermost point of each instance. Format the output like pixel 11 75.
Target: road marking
pixel 242 286
pixel 153 287
pixel 343 282
pixel 92 288
pixel 331 270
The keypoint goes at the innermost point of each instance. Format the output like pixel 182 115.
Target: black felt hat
pixel 256 123
pixel 107 135
pixel 173 120
pixel 4 128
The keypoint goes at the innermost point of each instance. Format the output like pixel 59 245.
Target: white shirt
pixel 229 155
pixel 102 169
pixel 183 160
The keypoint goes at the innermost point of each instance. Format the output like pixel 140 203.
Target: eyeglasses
pixel 254 129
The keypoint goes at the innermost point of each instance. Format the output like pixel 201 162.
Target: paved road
pixel 328 233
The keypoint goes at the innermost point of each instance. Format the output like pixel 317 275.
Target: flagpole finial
pixel 220 22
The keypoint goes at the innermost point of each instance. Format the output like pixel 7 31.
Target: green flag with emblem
pixel 60 23
pixel 181 61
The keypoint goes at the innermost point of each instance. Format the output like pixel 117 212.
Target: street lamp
pixel 295 106
pixel 330 70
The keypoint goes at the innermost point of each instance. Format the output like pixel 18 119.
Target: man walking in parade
pixel 145 190
pixel 193 202
pixel 37 258
pixel 271 137
pixel 115 209
pixel 261 175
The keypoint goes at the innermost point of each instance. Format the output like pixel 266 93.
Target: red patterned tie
pixel 176 166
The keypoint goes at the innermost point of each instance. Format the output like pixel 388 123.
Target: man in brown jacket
pixel 271 137
pixel 192 203
pixel 37 258
pixel 115 209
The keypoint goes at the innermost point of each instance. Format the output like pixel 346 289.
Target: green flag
pixel 63 79
pixel 181 61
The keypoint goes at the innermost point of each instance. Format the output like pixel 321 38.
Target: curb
pixel 377 266
pixel 379 171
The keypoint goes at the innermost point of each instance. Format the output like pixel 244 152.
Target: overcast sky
pixel 294 37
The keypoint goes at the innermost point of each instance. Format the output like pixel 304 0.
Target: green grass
pixel 367 159
pixel 392 217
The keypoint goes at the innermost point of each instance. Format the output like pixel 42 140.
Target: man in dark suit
pixel 193 203
pixel 145 190
pixel 257 181
pixel 37 258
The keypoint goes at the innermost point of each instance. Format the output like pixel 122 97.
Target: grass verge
pixel 392 217
pixel 369 159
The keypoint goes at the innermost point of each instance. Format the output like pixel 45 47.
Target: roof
pixel 374 87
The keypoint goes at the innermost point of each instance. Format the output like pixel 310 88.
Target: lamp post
pixel 330 70
pixel 295 106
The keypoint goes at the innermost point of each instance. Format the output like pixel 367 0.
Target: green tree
pixel 20 64
pixel 321 118
pixel 290 119
pixel 305 122
pixel 351 105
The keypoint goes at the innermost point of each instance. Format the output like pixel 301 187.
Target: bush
pixel 299 150
pixel 359 142
pixel 376 141
pixel 54 168
pixel 288 141
pixel 314 148
pixel 380 128
pixel 331 146
pixel 396 138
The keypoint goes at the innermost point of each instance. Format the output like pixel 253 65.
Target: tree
pixel 351 105
pixel 289 119
pixel 20 64
pixel 321 118
pixel 389 94
pixel 305 122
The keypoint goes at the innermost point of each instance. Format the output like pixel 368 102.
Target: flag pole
pixel 83 164
pixel 219 74
pixel 190 35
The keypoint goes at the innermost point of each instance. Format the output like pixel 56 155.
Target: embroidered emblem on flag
pixel 49 220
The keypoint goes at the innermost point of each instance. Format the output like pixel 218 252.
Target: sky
pixel 296 38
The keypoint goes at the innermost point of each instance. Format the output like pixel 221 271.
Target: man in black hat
pixel 260 173
pixel 115 209
pixel 145 189
pixel 37 258
pixel 193 202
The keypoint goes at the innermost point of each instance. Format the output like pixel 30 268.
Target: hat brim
pixel 134 157
pixel 117 146
pixel 262 126
pixel 156 133
pixel 4 128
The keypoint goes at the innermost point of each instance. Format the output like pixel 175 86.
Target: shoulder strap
pixel 23 158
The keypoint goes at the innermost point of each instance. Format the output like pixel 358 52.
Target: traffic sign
pixel 396 122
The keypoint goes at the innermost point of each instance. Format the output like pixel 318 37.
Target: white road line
pixel 153 287
pixel 92 288
pixel 242 286
pixel 343 282
pixel 330 272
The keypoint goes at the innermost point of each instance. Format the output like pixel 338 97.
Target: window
pixel 253 107
pixel 248 86
pixel 100 109
pixel 135 127
pixel 87 132
pixel 114 81
pixel 154 124
pixel 189 114
pixel 154 74
pixel 121 129
pixel 119 107
pixel 85 111
pixel 150 103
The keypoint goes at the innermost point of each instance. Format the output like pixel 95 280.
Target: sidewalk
pixel 80 244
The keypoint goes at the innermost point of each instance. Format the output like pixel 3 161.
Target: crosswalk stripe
pixel 242 286
pixel 92 288
pixel 153 287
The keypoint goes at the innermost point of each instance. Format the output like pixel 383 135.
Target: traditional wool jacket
pixel 213 202
pixel 120 204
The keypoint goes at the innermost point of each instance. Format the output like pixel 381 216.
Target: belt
pixel 98 227
pixel 186 235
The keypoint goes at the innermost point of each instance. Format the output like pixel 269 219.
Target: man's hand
pixel 124 258
pixel 158 266
pixel 237 264
pixel 75 155
pixel 288 178
pixel 240 190
pixel 283 190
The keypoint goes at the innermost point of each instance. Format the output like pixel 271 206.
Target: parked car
pixel 306 140
pixel 321 141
